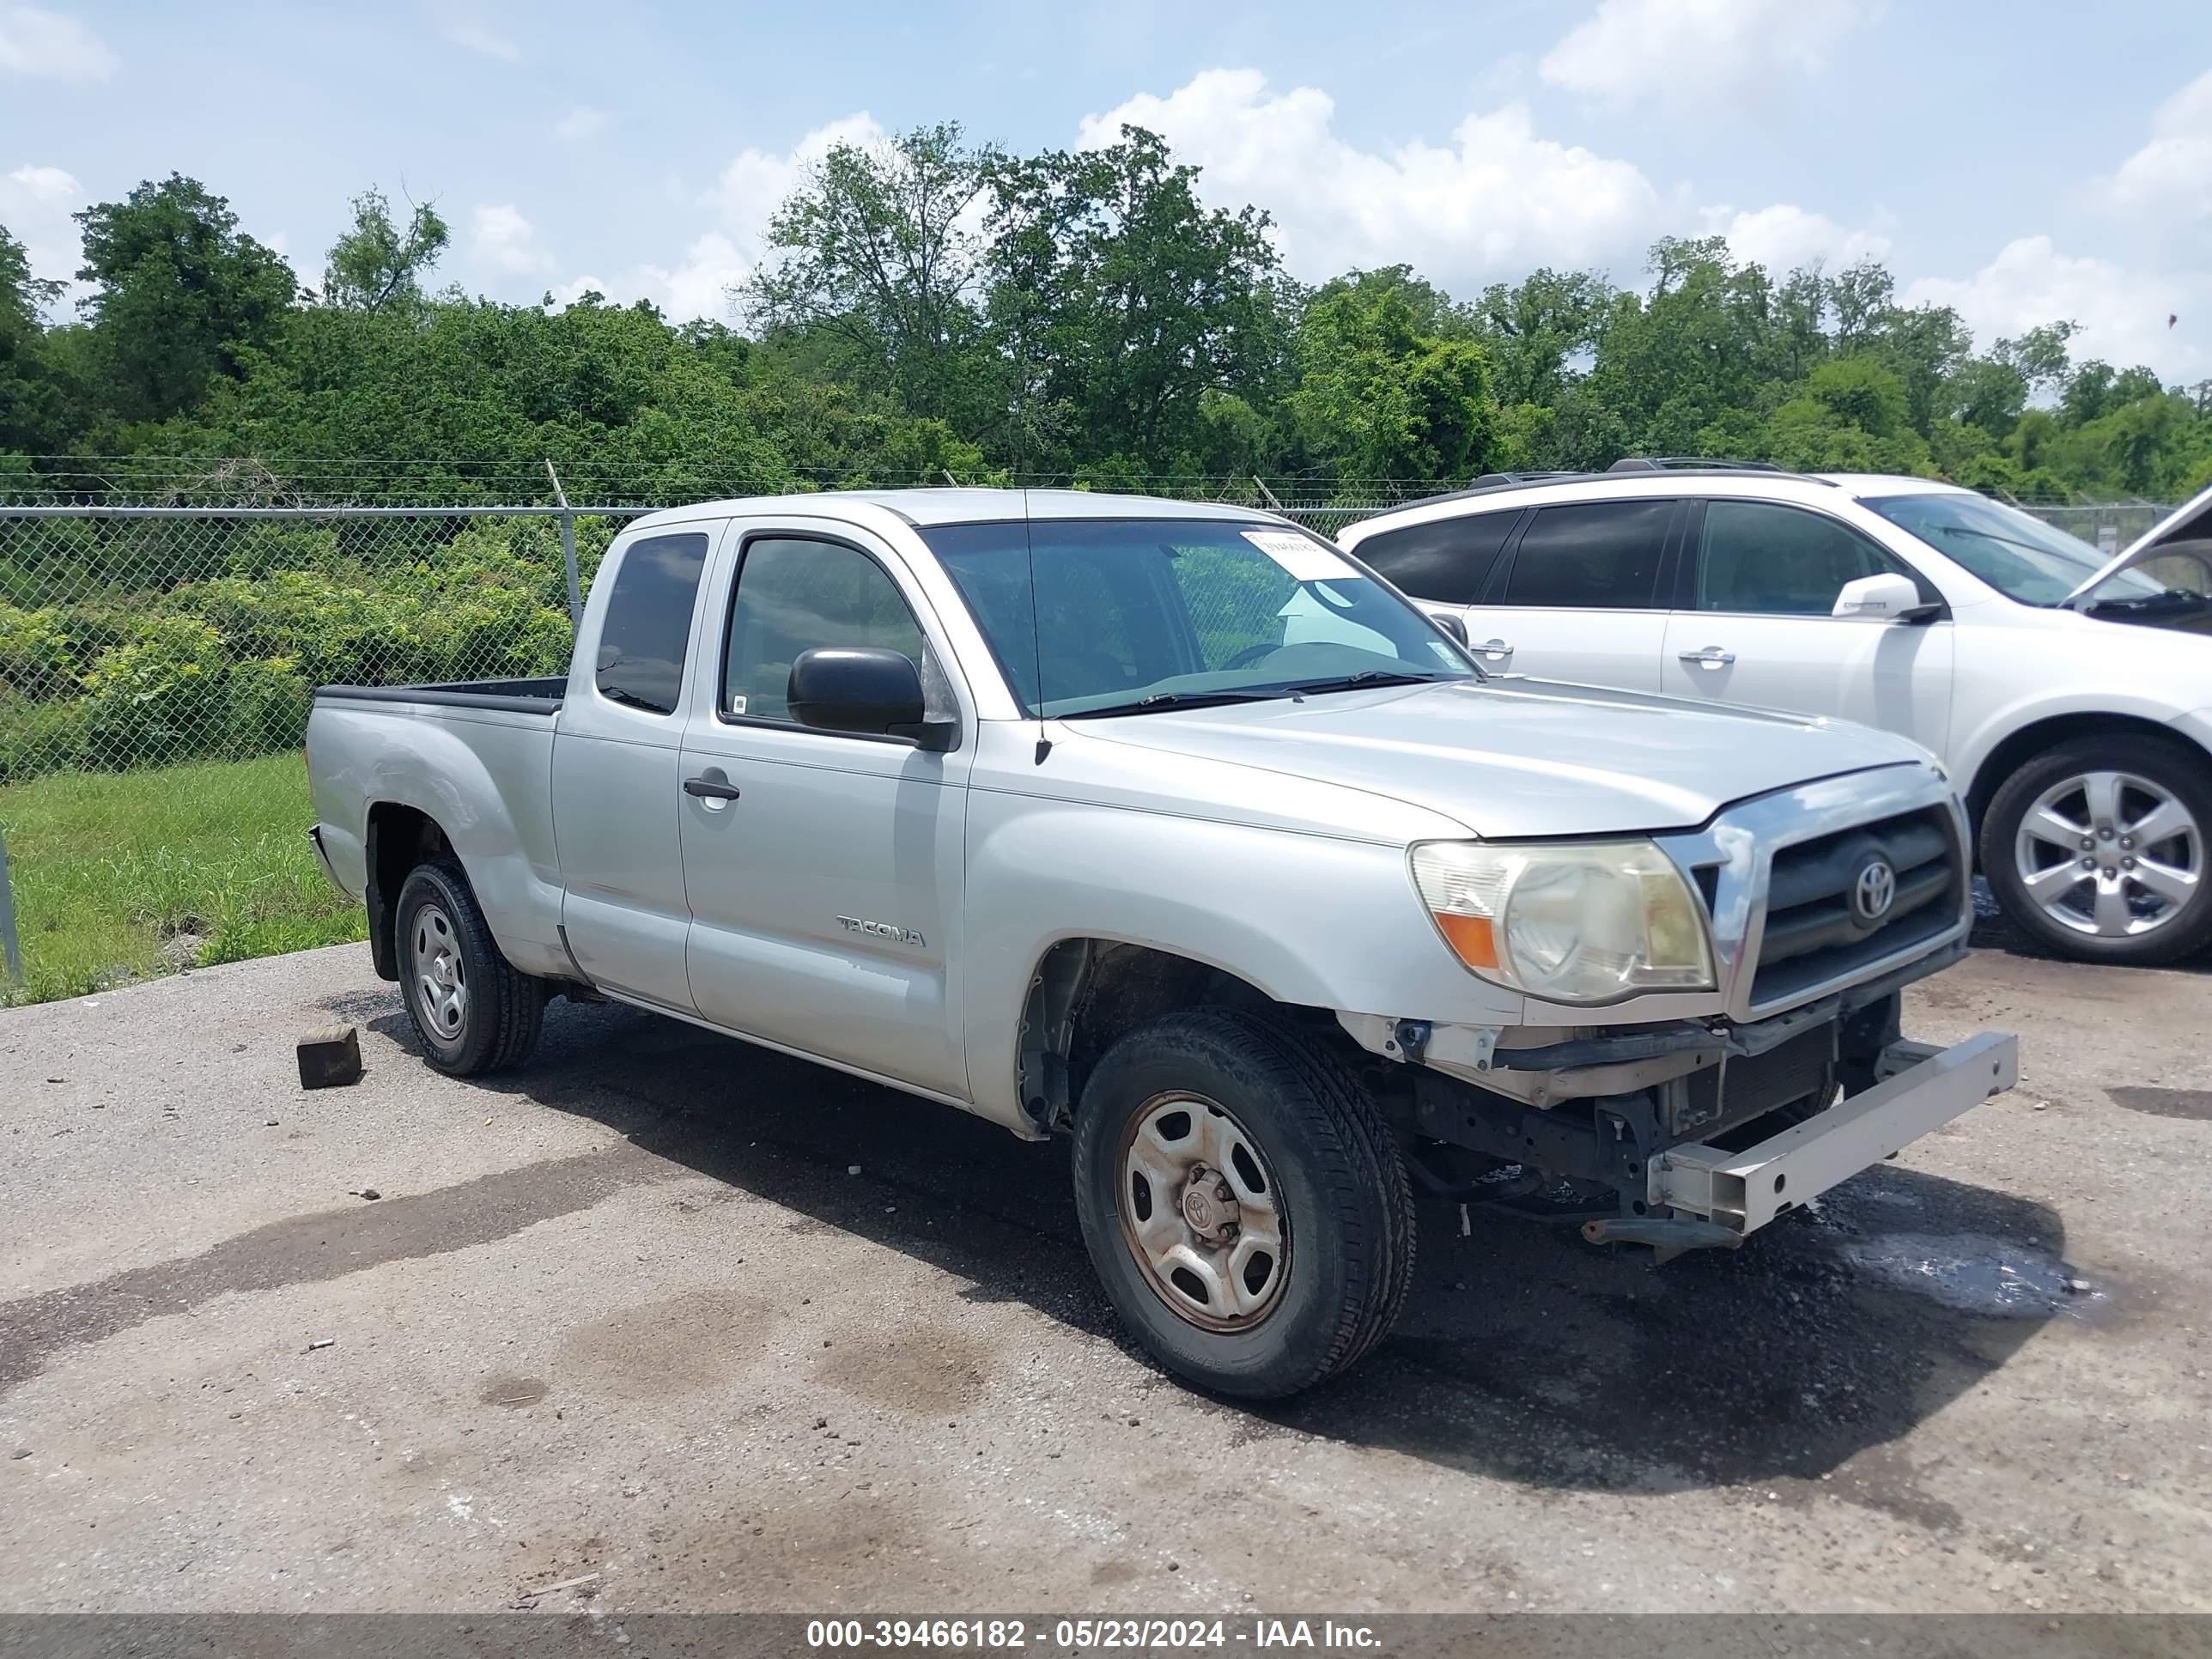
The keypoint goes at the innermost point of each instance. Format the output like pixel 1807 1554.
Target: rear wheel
pixel 473 1012
pixel 2098 849
pixel 1243 1202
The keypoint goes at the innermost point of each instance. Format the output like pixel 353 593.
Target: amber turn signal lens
pixel 1472 937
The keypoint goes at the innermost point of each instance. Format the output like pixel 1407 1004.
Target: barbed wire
pixel 185 478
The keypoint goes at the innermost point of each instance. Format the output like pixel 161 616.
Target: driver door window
pixel 794 596
pixel 1761 560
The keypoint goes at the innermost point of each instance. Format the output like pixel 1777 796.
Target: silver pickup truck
pixel 1175 828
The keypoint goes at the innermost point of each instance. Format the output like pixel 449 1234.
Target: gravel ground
pixel 632 1313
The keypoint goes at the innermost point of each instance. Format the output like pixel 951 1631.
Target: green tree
pixel 29 412
pixel 1861 298
pixel 181 296
pixel 1376 397
pixel 376 265
pixel 877 252
pixel 1533 328
pixel 1120 299
pixel 1668 363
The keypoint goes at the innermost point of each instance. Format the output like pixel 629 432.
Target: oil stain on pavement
pixel 308 1248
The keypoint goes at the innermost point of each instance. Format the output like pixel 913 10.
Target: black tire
pixel 1346 1205
pixel 503 1010
pixel 2181 771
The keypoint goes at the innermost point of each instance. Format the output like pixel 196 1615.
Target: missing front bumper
pixel 1741 1192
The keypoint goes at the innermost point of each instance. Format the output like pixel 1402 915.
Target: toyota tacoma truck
pixel 1174 829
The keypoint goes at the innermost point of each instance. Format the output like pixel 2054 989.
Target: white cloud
pixel 35 204
pixel 473 36
pixel 1681 52
pixel 755 183
pixel 581 123
pixel 44 43
pixel 697 286
pixel 2122 313
pixel 2171 175
pixel 1785 237
pixel 506 242
pixel 1494 202
pixel 47 184
pixel 744 196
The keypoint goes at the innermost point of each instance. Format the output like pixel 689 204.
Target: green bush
pixel 38 738
pixel 160 697
pixel 36 661
pixel 268 700
pixel 227 665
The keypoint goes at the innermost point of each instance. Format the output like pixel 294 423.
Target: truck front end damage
pixel 1697 1129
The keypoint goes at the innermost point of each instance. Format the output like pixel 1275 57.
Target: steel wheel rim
pixel 439 973
pixel 2110 855
pixel 1201 1212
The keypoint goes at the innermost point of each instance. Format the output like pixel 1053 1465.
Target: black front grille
pixel 1816 927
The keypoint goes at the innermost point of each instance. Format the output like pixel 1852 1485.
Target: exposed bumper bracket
pixel 1743 1191
pixel 1669 1238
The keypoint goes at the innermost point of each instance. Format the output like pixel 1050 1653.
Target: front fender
pixel 1318 921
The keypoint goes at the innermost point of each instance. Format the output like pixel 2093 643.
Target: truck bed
pixel 537 696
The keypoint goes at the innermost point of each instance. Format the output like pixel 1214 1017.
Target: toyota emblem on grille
pixel 1875 891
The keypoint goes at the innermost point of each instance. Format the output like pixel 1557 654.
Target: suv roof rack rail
pixel 1688 464
pixel 1498 483
pixel 1492 480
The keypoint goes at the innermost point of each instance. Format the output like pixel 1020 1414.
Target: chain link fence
pixel 157 664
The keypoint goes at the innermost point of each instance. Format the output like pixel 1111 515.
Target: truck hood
pixel 1515 757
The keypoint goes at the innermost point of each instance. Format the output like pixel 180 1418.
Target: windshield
pixel 1159 613
pixel 2017 554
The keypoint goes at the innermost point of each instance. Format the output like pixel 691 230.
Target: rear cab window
pixel 646 631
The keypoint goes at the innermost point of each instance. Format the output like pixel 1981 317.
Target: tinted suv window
pixel 647 627
pixel 794 595
pixel 1445 562
pixel 1780 561
pixel 1593 556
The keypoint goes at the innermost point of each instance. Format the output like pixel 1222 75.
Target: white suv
pixel 2068 695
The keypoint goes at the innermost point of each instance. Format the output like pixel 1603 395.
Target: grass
pixel 109 868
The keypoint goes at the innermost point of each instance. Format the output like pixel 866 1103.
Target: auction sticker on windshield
pixel 1304 559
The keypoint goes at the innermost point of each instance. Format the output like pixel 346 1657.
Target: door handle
pixel 1493 650
pixel 1710 658
pixel 709 789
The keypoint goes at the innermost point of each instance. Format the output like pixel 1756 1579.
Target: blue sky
pixel 2021 160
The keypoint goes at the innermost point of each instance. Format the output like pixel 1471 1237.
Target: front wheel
pixel 2098 849
pixel 1243 1202
pixel 474 1012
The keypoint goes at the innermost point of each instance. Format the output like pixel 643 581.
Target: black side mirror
pixel 1453 625
pixel 864 689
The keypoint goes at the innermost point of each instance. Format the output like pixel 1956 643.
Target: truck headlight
pixel 1574 922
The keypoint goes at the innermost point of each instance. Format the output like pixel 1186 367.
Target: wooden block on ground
pixel 330 1058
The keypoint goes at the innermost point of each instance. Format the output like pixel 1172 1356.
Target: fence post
pixel 11 948
pixel 567 549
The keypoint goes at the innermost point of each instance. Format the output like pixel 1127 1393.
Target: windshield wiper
pixel 1365 677
pixel 1160 702
pixel 2169 598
